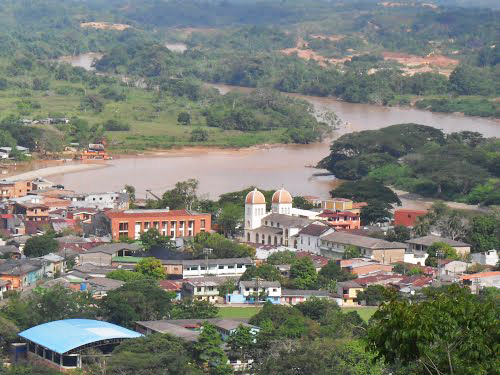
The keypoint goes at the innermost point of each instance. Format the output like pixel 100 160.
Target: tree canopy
pixel 450 333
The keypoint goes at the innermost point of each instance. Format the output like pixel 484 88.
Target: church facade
pixel 278 227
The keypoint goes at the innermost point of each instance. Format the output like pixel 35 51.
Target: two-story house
pixel 215 267
pixel 263 290
pixel 334 245
pixel 348 291
pixel 309 237
pixel 204 289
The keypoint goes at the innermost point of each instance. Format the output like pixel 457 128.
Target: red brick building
pixel 14 189
pixel 172 223
pixel 407 218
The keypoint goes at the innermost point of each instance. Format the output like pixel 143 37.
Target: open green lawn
pixel 152 117
pixel 248 312
pixel 238 312
pixel 364 312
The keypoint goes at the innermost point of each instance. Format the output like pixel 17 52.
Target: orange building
pixel 341 220
pixel 95 152
pixel 14 189
pixel 407 218
pixel 32 211
pixel 172 223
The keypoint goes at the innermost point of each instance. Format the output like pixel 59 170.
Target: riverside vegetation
pixel 232 45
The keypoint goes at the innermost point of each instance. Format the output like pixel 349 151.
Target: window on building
pixel 123 230
pixel 239 266
pixel 221 267
pixel 230 267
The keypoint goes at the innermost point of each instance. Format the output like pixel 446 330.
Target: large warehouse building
pixel 59 344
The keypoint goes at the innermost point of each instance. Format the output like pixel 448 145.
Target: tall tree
pixel 151 267
pixel 230 217
pixel 152 238
pixel 137 300
pixel 153 354
pixel 303 274
pixel 209 351
pixel 452 333
pixel 351 251
pixel 38 246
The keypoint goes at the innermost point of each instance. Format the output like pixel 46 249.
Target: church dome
pixel 255 197
pixel 282 196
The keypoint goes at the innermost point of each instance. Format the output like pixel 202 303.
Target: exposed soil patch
pixel 332 38
pixel 413 60
pixel 309 54
pixel 105 26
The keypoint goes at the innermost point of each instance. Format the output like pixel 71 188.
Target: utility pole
pixel 257 285
pixel 207 251
pixel 439 254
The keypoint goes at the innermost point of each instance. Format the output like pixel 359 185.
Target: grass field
pixel 238 312
pixel 152 117
pixel 248 312
pixel 364 312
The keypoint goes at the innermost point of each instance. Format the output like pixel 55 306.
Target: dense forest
pixel 152 97
pixel 233 42
pixel 459 166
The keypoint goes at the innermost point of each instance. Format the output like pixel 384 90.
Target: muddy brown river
pixel 221 171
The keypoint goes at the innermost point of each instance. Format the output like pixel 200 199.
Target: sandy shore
pixel 50 171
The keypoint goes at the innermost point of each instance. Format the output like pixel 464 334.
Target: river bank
pixel 72 167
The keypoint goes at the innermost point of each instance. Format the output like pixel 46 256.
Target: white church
pixel 278 227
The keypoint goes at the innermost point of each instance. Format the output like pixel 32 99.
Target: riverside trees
pixel 420 159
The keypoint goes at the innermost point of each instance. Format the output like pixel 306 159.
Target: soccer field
pixel 238 312
pixel 364 312
pixel 248 312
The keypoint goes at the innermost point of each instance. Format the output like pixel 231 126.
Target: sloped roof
pixel 261 284
pixel 315 230
pixel 298 292
pixel 362 241
pixel 112 248
pixel 431 239
pixel 61 336
pixel 288 221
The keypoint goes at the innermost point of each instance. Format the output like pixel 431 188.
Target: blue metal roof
pixel 62 336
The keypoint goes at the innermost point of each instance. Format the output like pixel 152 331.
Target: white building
pixel 488 258
pixel 278 227
pixel 266 290
pixel 99 200
pixel 215 267
pixel 309 237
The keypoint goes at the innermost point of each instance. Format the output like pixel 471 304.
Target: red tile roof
pixel 171 285
pixel 317 259
pixel 377 278
pixel 328 213
pixel 147 213
pixel 359 205
pixel 480 275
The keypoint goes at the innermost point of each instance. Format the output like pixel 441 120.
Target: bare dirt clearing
pixel 105 26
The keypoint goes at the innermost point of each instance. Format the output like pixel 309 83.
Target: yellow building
pixel 337 204
pixel 348 291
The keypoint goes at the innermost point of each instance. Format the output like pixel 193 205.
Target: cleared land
pixel 247 312
pixel 152 117
pixel 364 312
pixel 238 312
